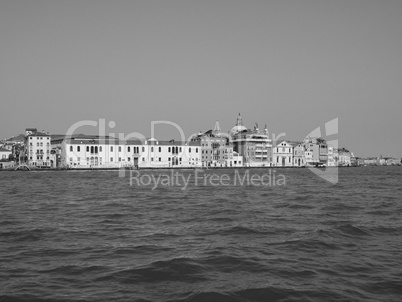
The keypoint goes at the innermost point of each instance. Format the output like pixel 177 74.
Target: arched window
pixel 196 150
pixel 96 149
pixel 78 149
pixel 152 149
pixel 92 149
pixel 169 149
pixel 160 149
pixel 71 148
pixel 189 150
pixel 111 150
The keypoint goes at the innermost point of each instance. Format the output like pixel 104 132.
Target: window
pixel 128 159
pixel 169 149
pixel 119 149
pixel 71 148
pixel 196 150
pixel 87 148
pixel 71 159
pixel 100 148
pixel 111 159
pixel 143 159
pixel 78 149
pixel 128 149
pixel 189 150
pixel 160 149
pixel 168 158
pixel 152 159
pixel 111 148
pixel 78 159
pixel 152 149
pixel 143 149
pixel 119 158
pixel 160 159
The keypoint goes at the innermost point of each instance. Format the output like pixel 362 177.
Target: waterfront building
pixel 85 151
pixel 254 147
pixel 319 148
pixel 323 151
pixel 216 148
pixel 335 155
pixel 299 159
pixel 344 157
pixel 36 148
pixel 283 154
pixel 331 158
pixel 308 156
pixel 4 154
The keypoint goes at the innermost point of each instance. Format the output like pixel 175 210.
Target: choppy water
pixel 90 236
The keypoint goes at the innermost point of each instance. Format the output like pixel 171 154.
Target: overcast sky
pixel 294 65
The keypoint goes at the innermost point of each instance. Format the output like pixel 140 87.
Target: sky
pixel 293 65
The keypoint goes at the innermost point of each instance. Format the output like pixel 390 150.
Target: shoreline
pixel 174 168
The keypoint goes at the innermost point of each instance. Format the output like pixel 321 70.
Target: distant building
pixel 85 151
pixel 308 156
pixel 299 159
pixel 344 156
pixel 283 154
pixel 319 149
pixel 4 154
pixel 37 148
pixel 255 147
pixel 216 147
pixel 331 157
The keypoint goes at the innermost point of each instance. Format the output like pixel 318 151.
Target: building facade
pixel 255 147
pixel 37 148
pixel 105 152
pixel 299 159
pixel 283 154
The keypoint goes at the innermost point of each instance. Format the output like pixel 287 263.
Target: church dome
pixel 238 128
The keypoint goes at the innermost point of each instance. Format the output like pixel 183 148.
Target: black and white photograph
pixel 200 150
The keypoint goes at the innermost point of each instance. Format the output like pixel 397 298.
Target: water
pixel 90 236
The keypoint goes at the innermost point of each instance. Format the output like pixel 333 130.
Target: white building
pixel 283 154
pixel 4 154
pixel 37 148
pixel 105 152
pixel 332 162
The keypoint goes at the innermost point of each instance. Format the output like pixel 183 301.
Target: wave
pixel 176 269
